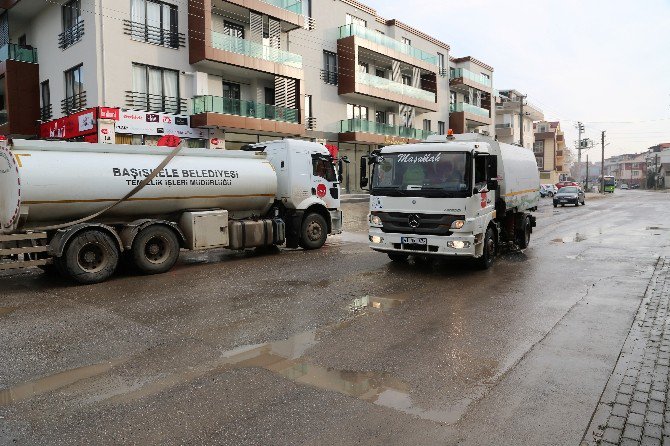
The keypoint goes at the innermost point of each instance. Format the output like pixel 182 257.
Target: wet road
pixel 337 346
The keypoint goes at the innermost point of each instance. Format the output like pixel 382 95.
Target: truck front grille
pixel 429 224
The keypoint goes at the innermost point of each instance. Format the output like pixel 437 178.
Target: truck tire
pixel 398 257
pixel 314 232
pixel 155 250
pixel 90 257
pixel 490 250
pixel 523 233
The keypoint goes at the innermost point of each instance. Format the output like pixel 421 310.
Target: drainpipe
pixel 102 52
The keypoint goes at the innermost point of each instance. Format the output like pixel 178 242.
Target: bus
pixel 610 184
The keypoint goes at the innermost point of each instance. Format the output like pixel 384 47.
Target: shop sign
pixel 105 131
pixel 73 126
pixel 147 123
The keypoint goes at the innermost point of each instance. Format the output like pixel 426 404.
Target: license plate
pixel 413 241
pixel 564 201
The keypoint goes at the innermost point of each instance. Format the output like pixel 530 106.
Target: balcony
pixel 513 106
pixel 73 104
pixel 71 36
pixel 387 42
pixel 46 113
pixel 504 130
pixel 461 79
pixel 289 5
pixel 18 53
pixel 142 32
pixel 154 103
pixel 289 12
pixel 256 50
pixel 470 109
pixel 463 117
pixel 359 130
pixel 210 111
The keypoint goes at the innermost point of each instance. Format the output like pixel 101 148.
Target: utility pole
pixel 580 128
pixel 656 173
pixel 602 164
pixel 587 174
pixel 521 104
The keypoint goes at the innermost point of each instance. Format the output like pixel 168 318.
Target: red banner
pixel 79 124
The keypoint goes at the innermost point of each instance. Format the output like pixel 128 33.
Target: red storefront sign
pixel 109 113
pixel 84 123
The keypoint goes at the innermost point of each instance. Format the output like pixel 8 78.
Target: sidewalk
pixel 634 408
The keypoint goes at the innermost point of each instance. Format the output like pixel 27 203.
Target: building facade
pixel 226 73
pixel 549 148
pixel 509 126
pixel 630 169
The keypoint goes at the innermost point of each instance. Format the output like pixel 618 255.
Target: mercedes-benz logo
pixel 414 220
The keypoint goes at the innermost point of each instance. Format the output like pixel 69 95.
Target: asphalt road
pixel 336 346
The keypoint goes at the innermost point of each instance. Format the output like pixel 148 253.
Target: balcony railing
pixel 310 123
pixel 456 73
pixel 154 34
pixel 504 126
pixel 45 113
pixel 329 77
pixel 73 104
pixel 71 36
pixel 250 109
pixel 394 87
pixel 289 5
pixel 257 50
pixel 381 39
pixel 12 51
pixel 360 125
pixel 469 108
pixel 154 102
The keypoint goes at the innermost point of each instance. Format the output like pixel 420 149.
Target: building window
pixel 441 128
pixel 441 63
pixel 380 117
pixel 406 79
pixel 426 125
pixel 452 97
pixel 73 24
pixel 75 96
pixel 540 162
pixel 233 29
pixel 406 41
pixel 538 147
pixel 363 67
pixel 353 20
pixel 45 93
pixel 310 122
pixel 329 72
pixel 155 22
pixel 380 73
pixel 154 89
pixel 357 112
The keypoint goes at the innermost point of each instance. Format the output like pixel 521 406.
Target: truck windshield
pixel 422 174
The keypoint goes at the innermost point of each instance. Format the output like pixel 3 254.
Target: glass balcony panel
pixel 289 5
pixel 381 39
pixel 456 73
pixel 377 128
pixel 256 50
pixel 12 51
pixel 469 108
pixel 394 87
pixel 249 109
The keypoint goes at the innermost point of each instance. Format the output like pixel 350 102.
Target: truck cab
pixel 308 190
pixel 451 197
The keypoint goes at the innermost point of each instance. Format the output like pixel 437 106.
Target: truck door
pixel 481 193
pixel 325 183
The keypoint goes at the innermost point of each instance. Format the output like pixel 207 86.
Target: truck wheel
pixel 155 250
pixel 490 250
pixel 523 234
pixel 398 257
pixel 90 257
pixel 314 232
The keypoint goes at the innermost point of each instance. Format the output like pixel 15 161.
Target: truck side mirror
pixel 364 172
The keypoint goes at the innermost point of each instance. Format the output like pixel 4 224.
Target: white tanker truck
pixel 83 207
pixel 458 196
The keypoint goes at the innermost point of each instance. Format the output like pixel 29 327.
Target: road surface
pixel 336 346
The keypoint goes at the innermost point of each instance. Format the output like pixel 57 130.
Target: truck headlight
pixel 458 244
pixel 375 220
pixel 458 224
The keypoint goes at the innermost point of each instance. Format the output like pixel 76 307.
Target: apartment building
pixel 472 96
pixel 226 73
pixel 549 148
pixel 510 124
pixel 628 169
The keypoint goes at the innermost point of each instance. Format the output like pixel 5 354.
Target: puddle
pixel 576 239
pixel 657 228
pixel 47 384
pixel 378 303
pixel 7 310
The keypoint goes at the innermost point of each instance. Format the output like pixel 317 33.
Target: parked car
pixel 547 190
pixel 623 186
pixel 561 184
pixel 634 186
pixel 569 195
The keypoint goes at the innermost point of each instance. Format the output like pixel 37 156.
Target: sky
pixel 605 63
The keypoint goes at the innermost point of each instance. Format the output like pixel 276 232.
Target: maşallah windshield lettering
pixel 427 173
